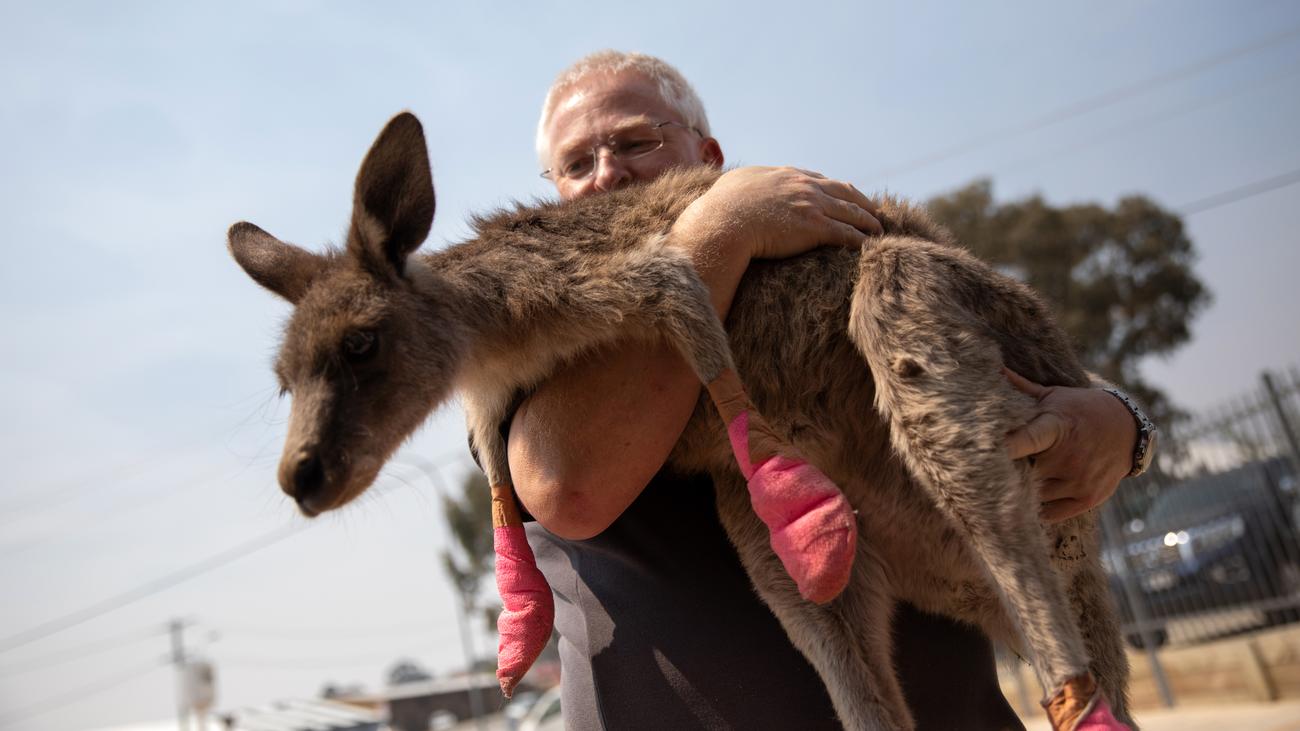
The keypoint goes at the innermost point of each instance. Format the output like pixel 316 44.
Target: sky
pixel 141 425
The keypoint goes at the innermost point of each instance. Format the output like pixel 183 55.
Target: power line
pixel 1091 104
pixel 1128 126
pixel 150 588
pixel 330 633
pixel 91 648
pixel 64 491
pixel 309 663
pixel 58 491
pixel 156 586
pixel 1243 192
pixel 149 497
pixel 64 699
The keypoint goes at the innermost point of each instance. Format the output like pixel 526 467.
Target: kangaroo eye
pixel 359 345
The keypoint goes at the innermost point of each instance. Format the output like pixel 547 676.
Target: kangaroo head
pixel 373 344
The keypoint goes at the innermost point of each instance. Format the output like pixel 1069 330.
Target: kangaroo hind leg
pixel 937 366
pixel 812 527
pixel 847 641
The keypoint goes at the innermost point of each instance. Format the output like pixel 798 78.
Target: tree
pixel 407 671
pixel 1120 281
pixel 338 690
pixel 470 560
pixel 473 560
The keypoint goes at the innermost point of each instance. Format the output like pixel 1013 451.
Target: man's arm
pixel 583 446
pixel 586 443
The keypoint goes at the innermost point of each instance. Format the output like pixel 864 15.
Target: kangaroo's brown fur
pixel 882 367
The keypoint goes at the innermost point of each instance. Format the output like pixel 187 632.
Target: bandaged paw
pixel 813 528
pixel 1100 719
pixel 1078 705
pixel 528 609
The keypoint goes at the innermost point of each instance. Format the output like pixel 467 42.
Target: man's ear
pixel 711 152
pixel 282 268
pixel 393 205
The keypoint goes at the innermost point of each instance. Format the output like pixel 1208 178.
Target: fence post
pixel 1257 677
pixel 1288 429
pixel 1138 602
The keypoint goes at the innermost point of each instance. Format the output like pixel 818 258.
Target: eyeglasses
pixel 626 145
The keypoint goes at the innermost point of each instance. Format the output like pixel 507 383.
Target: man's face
pixel 601 105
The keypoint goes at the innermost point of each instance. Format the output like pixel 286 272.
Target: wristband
pixel 1144 451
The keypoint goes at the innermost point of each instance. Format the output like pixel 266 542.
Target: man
pixel 659 627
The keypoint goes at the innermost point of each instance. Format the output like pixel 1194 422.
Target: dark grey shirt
pixel 660 629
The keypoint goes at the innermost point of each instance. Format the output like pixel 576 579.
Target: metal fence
pixel 1205 545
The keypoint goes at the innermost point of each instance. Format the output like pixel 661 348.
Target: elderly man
pixel 659 626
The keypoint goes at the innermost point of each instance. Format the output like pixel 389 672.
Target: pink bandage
pixel 813 530
pixel 738 433
pixel 1100 719
pixel 528 611
pixel 1078 705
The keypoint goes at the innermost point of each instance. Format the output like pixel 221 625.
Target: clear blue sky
pixel 140 425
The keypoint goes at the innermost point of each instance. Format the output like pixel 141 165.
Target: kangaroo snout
pixel 302 477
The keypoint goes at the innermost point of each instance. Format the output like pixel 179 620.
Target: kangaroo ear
pixel 392 209
pixel 282 268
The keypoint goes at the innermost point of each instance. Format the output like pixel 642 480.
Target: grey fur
pixel 881 367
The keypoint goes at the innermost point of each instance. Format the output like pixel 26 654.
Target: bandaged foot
pixel 1100 719
pixel 528 609
pixel 813 529
pixel 1080 706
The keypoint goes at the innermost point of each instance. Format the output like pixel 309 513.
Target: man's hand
pixel 773 213
pixel 1080 443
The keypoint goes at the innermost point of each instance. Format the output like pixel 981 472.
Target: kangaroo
pixel 880 367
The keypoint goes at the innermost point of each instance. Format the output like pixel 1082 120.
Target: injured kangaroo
pixel 856 445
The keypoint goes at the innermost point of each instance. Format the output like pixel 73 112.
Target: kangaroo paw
pixel 528 610
pixel 812 525
pixel 813 528
pixel 1079 706
pixel 1100 719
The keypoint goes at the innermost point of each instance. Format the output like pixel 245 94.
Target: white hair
pixel 673 88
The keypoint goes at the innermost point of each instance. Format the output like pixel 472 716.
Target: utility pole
pixel 435 477
pixel 178 661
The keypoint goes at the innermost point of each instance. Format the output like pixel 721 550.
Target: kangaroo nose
pixel 308 479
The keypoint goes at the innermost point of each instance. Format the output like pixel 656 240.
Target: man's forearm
pixel 586 443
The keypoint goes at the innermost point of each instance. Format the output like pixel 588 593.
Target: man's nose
pixel 610 172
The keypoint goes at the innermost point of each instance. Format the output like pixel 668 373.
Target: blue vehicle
pixel 1214 542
